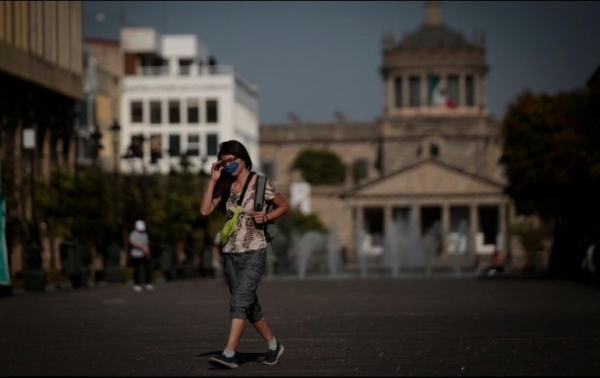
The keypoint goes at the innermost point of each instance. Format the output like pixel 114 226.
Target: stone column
pixel 390 95
pixel 483 91
pixel 424 95
pixel 445 225
pixel 473 226
pixel 418 222
pixel 462 90
pixel 387 217
pixel 502 228
pixel 358 230
pixel 405 91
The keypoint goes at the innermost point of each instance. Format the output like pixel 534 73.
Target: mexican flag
pixel 437 94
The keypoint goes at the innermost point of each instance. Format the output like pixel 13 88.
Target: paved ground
pixel 352 327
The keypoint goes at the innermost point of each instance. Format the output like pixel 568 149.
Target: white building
pixel 175 100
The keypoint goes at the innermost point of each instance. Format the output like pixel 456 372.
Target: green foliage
pixel 359 171
pixel 551 152
pixel 551 155
pixel 55 200
pixel 320 167
pixel 92 195
pixel 297 221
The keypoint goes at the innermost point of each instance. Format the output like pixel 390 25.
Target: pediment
pixel 428 178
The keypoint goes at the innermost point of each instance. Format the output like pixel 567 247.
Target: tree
pixel 551 153
pixel 320 167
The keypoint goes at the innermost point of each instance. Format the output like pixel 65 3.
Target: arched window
pixel 434 150
pixel 360 170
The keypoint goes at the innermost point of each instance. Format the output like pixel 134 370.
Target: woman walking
pixel 232 184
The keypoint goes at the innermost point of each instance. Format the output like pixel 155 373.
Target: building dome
pixel 433 37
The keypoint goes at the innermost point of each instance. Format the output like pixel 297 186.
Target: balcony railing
pixel 152 71
pixel 184 70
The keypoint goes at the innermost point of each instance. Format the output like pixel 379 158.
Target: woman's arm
pixel 208 202
pixel 280 209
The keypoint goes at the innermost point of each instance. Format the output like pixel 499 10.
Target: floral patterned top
pixel 246 236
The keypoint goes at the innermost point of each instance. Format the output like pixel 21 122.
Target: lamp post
pixel 115 129
pixel 114 271
pixel 34 276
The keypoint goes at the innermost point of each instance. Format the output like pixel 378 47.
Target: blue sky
pixel 314 58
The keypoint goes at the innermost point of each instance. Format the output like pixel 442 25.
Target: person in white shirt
pixel 139 254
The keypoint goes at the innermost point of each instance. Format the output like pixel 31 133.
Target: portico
pixel 430 192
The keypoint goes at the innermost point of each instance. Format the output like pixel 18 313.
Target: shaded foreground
pixel 416 326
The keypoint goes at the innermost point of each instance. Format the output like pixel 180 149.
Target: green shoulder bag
pixel 229 226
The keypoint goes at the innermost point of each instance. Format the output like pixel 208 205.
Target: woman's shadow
pixel 241 357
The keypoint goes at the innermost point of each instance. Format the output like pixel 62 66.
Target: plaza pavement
pixel 438 326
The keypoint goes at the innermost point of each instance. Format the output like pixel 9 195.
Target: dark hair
pixel 223 185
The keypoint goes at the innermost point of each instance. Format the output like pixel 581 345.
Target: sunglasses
pixel 227 163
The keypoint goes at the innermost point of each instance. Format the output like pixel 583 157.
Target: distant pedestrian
pixel 139 254
pixel 244 250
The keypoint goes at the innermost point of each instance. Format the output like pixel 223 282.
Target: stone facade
pixel 434 151
pixel 40 87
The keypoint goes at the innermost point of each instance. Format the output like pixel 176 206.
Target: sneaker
pixel 137 288
pixel 272 356
pixel 222 361
pixel 149 287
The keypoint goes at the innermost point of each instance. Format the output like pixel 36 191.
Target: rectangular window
pixel 193 148
pixel 155 112
pixel 452 83
pixel 155 147
pixel 174 145
pixel 398 92
pixel 137 112
pixel 174 114
pixel 184 66
pixel 469 88
pixel 212 142
pixel 137 146
pixel 193 111
pixel 359 171
pixel 212 111
pixel 415 91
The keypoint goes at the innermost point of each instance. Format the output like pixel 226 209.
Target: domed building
pixel 430 161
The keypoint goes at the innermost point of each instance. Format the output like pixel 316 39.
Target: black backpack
pixel 259 202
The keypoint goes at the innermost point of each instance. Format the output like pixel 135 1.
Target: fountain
pixel 394 241
pixel 333 259
pixel 457 246
pixel 304 248
pixel 359 240
pixel 413 255
pixel 431 246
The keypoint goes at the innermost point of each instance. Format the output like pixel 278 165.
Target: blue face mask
pixel 231 168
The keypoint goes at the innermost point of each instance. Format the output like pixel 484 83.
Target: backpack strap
pixel 239 202
pixel 259 203
pixel 259 199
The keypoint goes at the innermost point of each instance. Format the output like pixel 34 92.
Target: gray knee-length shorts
pixel 243 272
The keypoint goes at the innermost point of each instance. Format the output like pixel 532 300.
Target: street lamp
pixel 96 144
pixel 115 129
pixel 113 270
pixel 34 276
